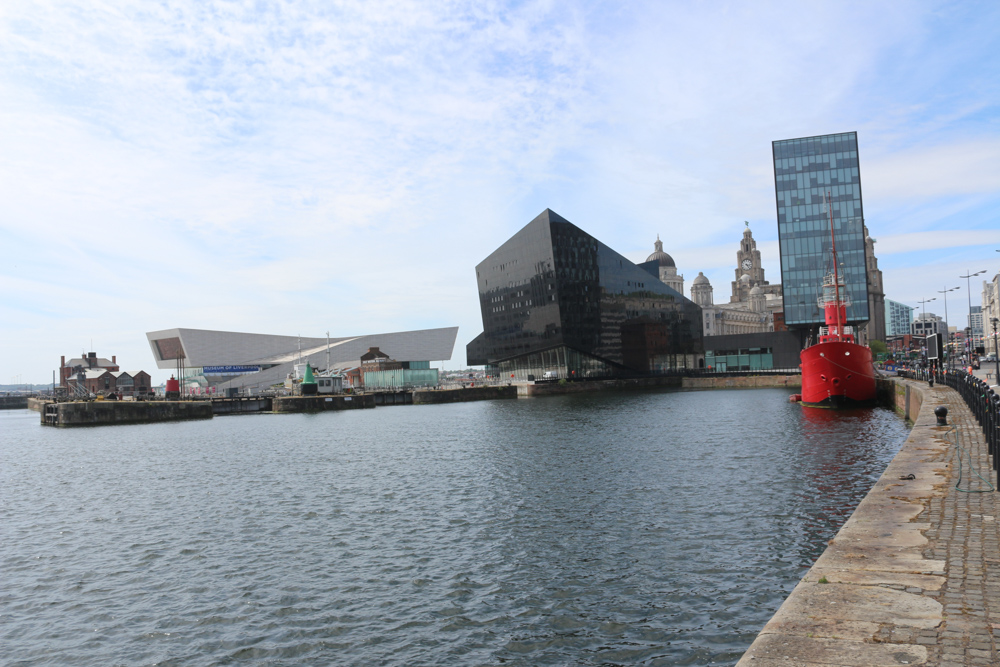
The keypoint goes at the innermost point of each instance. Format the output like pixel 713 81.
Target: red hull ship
pixel 836 371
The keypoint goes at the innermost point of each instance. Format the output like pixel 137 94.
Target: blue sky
pixel 303 167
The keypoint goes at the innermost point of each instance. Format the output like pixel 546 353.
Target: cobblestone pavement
pixel 965 533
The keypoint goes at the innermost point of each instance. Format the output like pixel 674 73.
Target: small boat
pixel 836 371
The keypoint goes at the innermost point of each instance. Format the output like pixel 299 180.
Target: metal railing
pixel 982 400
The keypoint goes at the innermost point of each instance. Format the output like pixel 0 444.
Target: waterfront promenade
pixel 913 577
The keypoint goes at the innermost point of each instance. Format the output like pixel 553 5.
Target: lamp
pixel 968 285
pixel 923 322
pixel 947 333
pixel 996 357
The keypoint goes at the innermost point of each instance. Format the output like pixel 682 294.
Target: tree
pixel 877 347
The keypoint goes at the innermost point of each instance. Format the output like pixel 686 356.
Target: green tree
pixel 877 347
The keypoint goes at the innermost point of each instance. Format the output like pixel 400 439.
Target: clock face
pixel 747 264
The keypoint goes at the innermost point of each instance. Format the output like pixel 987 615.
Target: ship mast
pixel 836 274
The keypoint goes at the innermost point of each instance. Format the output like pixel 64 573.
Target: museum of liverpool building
pixel 556 302
pixel 222 360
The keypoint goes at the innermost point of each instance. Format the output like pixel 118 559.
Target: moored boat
pixel 836 371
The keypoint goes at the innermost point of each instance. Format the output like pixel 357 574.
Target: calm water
pixel 632 529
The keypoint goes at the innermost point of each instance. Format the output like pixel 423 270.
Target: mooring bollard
pixel 941 413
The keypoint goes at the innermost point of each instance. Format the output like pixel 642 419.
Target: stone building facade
pixel 668 270
pixel 990 311
pixel 754 306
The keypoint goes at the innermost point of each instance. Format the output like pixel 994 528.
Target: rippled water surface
pixel 625 529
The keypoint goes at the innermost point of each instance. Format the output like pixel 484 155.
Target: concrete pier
pixel 913 577
pixel 427 397
pixel 322 403
pixel 13 402
pixel 98 413
pixel 743 382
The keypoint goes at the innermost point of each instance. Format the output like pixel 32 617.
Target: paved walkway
pixel 987 372
pixel 913 577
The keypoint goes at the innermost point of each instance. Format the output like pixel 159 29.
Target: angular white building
pixel 224 359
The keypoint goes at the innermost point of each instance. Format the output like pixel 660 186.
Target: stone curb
pixel 874 597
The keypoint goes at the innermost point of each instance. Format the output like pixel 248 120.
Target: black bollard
pixel 941 413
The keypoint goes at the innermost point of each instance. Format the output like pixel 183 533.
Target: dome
pixel 700 280
pixel 745 278
pixel 662 258
pixel 756 290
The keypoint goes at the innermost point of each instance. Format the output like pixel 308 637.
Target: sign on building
pixel 229 370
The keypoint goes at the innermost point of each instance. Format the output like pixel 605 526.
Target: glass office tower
pixel 898 318
pixel 556 300
pixel 805 171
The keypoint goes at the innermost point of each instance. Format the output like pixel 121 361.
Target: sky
pixel 302 167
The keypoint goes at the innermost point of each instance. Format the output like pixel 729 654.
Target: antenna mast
pixel 836 273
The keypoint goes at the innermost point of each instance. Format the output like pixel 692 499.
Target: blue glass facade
pixel 898 318
pixel 556 300
pixel 805 170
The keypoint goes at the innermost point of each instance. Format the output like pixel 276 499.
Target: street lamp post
pixel 923 324
pixel 996 358
pixel 947 333
pixel 972 334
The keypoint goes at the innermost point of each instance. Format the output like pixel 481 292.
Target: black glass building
pixel 556 300
pixel 806 170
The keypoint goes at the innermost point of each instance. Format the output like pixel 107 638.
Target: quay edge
pixel 870 581
pixel 99 413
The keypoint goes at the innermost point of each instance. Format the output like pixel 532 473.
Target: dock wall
pixel 869 580
pixel 13 402
pixel 431 397
pixel 905 398
pixel 97 413
pixel 743 382
pixel 241 405
pixel 554 388
pixel 322 403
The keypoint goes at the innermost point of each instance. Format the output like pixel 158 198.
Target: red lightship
pixel 836 371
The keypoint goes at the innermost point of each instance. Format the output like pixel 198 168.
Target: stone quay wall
pixel 743 382
pixel 905 398
pixel 322 403
pixel 14 402
pixel 552 388
pixel 97 413
pixel 432 396
pixel 873 597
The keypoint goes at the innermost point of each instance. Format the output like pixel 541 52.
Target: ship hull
pixel 837 375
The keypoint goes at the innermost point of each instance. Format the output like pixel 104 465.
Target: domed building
pixel 755 305
pixel 668 270
pixel 701 290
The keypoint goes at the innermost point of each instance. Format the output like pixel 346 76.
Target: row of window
pixel 820 244
pixel 824 162
pixel 817 194
pixel 831 143
pixel 826 180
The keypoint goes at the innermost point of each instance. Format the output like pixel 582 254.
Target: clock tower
pixel 749 271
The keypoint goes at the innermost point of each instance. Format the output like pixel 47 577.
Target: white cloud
pixel 298 166
pixel 966 168
pixel 937 240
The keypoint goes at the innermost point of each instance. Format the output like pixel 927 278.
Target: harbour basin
pixel 659 528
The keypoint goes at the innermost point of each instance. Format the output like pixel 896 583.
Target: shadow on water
pixel 658 528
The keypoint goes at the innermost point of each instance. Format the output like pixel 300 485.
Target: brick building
pixel 90 362
pixel 96 375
